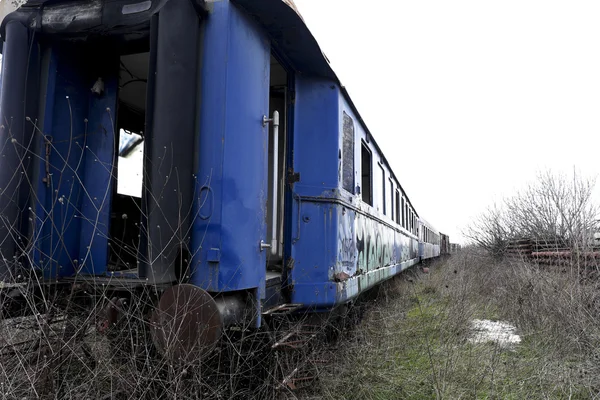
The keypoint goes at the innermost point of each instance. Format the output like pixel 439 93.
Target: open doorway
pixel 278 101
pixel 128 169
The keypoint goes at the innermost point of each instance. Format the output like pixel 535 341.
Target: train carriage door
pixel 278 142
pixel 112 152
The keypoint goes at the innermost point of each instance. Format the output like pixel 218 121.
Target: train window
pixel 366 186
pixel 383 188
pixel 402 217
pixel 391 198
pixel 348 154
pixel 397 207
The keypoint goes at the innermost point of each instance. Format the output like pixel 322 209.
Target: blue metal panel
pixel 62 223
pixel 42 195
pixel 72 222
pixel 98 162
pixel 314 224
pixel 232 154
pixel 315 252
pixel 316 137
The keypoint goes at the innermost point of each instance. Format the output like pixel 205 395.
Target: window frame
pixel 348 171
pixel 366 150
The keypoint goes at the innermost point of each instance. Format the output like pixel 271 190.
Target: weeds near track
pixel 414 344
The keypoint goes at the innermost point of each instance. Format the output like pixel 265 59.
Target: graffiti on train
pixel 347 250
pixel 365 245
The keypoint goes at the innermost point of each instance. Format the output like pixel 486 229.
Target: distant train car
pixel 246 180
pixel 444 244
pixel 429 240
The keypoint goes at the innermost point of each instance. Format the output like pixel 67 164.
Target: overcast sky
pixel 490 92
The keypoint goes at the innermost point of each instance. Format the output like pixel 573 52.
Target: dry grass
pixel 414 343
pixel 411 343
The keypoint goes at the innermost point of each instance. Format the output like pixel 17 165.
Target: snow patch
pixel 494 331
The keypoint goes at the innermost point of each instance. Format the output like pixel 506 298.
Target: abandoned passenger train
pixel 202 148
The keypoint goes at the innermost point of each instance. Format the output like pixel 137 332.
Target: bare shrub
pixel 553 208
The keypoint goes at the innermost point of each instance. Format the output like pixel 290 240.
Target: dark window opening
pixel 397 207
pixel 348 154
pixel 391 198
pixel 383 189
pixel 403 214
pixel 366 175
pixel 128 171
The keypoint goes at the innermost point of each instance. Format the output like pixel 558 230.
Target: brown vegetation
pixel 414 344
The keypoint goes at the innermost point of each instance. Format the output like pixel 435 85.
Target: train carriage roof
pixel 285 25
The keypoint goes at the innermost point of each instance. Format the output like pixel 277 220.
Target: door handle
pixel 275 121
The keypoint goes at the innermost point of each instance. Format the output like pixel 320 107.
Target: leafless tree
pixel 554 208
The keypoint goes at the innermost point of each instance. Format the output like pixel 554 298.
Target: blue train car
pixel 203 148
pixel 429 240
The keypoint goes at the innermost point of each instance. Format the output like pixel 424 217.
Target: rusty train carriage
pixel 202 149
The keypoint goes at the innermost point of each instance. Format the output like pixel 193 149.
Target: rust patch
pixel 186 324
pixel 341 276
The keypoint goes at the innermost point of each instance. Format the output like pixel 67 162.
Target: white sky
pixel 489 92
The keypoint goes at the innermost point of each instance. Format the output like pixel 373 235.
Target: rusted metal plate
pixel 186 324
